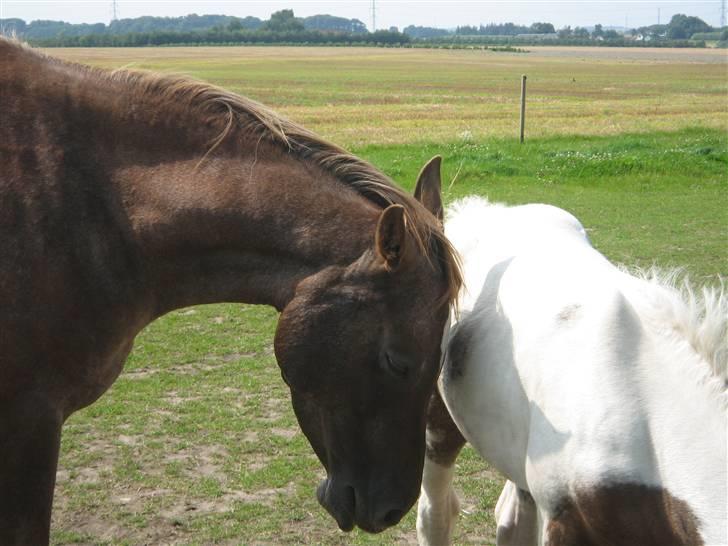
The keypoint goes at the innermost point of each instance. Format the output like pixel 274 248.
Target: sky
pixel 399 13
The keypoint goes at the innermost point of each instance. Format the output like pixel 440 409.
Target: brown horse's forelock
pixel 230 111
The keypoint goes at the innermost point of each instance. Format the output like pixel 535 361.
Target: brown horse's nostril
pixel 392 517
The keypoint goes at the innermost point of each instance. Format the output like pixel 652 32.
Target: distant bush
pixel 715 35
pixel 507 49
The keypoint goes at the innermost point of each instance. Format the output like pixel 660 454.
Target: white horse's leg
pixel 516 517
pixel 438 506
pixel 504 506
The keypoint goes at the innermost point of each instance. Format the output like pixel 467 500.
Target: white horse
pixel 600 395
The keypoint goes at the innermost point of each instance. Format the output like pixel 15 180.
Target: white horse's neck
pixel 488 233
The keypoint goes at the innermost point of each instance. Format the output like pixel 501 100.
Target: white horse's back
pixel 587 387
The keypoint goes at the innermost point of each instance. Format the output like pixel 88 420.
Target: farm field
pixel 360 96
pixel 196 443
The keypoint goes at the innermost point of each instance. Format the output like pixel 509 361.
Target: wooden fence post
pixel 523 105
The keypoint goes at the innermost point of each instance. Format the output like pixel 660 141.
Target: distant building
pixel 639 37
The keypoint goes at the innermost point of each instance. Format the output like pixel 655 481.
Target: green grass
pixel 644 198
pixel 196 442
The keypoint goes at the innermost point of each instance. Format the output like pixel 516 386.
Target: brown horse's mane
pixel 234 112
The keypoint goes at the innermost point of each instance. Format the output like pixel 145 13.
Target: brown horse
pixel 125 195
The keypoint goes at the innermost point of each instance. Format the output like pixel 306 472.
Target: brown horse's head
pixel 359 347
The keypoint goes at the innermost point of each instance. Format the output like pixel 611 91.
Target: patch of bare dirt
pixel 193 368
pixel 173 398
pixel 130 441
pixel 286 433
pixel 225 503
pixel 237 356
pixel 274 409
pixel 206 461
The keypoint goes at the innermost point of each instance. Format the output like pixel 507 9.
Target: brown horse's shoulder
pixel 623 514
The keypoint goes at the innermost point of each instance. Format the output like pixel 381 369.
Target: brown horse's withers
pixel 125 195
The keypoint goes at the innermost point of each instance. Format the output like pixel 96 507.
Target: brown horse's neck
pixel 201 219
pixel 243 223
pixel 244 229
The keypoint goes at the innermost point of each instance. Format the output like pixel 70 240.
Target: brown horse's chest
pixel 73 363
pixel 74 293
pixel 96 376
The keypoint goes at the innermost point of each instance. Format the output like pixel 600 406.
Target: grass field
pixel 196 442
pixel 358 96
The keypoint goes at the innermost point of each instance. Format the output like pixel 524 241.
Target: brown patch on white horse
pixel 623 514
pixel 444 440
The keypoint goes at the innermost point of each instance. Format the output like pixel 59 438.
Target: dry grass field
pixel 196 443
pixel 358 96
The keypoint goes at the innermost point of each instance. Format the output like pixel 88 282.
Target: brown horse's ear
pixel 428 188
pixel 390 236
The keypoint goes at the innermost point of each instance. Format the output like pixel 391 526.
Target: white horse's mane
pixel 697 315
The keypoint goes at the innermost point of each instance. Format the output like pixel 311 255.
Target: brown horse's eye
pixel 397 368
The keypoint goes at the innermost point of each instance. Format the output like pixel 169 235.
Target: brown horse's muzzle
pixel 340 502
pixel 349 508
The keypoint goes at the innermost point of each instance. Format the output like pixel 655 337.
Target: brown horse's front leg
pixel 438 506
pixel 30 434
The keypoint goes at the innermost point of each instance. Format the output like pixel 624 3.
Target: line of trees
pixel 283 21
pixel 284 27
pixel 226 37
pixel 681 31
